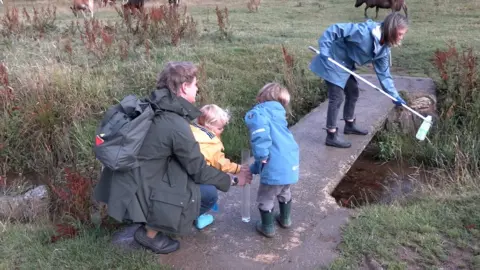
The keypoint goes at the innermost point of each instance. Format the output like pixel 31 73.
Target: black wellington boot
pixel 352 128
pixel 335 141
pixel 161 244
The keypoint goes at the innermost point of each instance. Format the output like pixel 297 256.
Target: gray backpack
pixel 121 132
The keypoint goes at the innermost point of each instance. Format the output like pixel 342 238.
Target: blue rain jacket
pixel 271 140
pixel 350 44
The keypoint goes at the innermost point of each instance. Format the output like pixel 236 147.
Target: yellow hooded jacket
pixel 212 149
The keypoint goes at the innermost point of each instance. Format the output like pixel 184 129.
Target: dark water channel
pixel 372 181
pixel 15 184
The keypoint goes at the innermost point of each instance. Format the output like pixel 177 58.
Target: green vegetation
pixel 58 74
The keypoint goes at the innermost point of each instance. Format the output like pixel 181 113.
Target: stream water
pixel 372 181
pixel 15 184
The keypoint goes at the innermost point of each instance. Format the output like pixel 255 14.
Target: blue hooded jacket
pixel 350 44
pixel 271 140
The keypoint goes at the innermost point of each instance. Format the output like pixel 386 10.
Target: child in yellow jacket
pixel 207 131
pixel 210 125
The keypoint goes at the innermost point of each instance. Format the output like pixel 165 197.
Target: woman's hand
pixel 244 176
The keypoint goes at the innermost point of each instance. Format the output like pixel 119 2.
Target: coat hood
pixel 273 109
pixel 166 101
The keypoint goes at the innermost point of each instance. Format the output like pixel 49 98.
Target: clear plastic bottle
pixel 245 208
pixel 424 128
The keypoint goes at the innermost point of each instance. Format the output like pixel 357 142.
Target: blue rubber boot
pixel 203 221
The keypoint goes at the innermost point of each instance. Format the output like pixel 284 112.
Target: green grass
pixel 424 232
pixel 27 247
pixel 236 67
pixel 60 98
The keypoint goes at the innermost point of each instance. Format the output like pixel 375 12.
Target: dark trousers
pixel 335 100
pixel 209 197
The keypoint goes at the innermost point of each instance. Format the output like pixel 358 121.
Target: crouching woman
pixel 173 185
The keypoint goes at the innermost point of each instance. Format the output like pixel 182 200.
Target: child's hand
pixel 264 161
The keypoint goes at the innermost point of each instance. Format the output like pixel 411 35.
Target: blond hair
pixel 274 92
pixel 212 114
pixel 175 74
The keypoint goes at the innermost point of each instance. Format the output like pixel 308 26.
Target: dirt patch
pixel 456 258
pixel 410 257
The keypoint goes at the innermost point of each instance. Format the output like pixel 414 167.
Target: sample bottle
pixel 424 128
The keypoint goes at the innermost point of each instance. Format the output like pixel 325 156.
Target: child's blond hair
pixel 211 114
pixel 274 92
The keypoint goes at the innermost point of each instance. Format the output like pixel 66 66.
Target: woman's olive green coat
pixel 163 192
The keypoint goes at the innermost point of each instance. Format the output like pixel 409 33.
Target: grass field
pixel 62 82
pixel 236 65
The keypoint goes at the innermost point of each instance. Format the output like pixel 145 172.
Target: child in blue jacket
pixel 276 156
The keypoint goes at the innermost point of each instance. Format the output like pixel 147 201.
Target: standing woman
pixel 353 44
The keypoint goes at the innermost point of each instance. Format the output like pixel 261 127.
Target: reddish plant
pixel 253 5
pixel 203 91
pixel 222 20
pixel 123 50
pixel 459 73
pixel 3 74
pixel 156 14
pixel 11 22
pixel 287 58
pixel 107 38
pixel 147 48
pixel 74 197
pixel 68 47
pixel 97 38
pixel 288 69
pixel 442 57
pixel 63 231
pixel 160 24
pixel 26 15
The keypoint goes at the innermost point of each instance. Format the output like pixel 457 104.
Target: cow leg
pixel 376 10
pixel 366 17
pixel 405 10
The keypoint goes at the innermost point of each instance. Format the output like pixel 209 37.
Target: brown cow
pixel 105 2
pixel 395 5
pixel 82 5
pixel 133 4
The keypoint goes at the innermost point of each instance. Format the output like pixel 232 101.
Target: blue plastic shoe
pixel 203 221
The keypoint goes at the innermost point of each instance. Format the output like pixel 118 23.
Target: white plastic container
pixel 424 128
